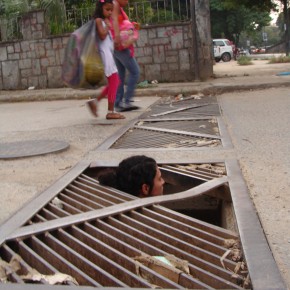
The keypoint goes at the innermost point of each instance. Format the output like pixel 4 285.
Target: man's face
pixel 158 183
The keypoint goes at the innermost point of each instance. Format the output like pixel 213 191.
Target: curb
pixel 159 90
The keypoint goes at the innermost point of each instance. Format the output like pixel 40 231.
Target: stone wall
pixel 164 53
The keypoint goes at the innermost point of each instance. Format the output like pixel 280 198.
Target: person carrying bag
pixel 124 58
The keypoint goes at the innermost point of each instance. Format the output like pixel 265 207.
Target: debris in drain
pixel 213 168
pixel 216 130
pixel 32 275
pixel 6 269
pixel 201 142
pixel 196 97
pixel 213 121
pixel 56 279
pixel 168 266
pixel 178 97
pixel 234 253
pixel 57 202
pixel 234 247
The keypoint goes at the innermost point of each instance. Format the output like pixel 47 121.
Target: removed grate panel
pixel 81 195
pixel 84 193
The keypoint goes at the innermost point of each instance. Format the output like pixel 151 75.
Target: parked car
pixel 253 50
pixel 223 50
pixel 261 50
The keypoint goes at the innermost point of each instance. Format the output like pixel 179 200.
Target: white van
pixel 223 50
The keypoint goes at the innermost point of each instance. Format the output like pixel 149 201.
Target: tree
pixel 230 21
pixel 286 21
pixel 55 10
pixel 264 6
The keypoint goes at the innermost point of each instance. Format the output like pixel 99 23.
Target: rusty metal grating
pixel 102 252
pixel 116 244
pixel 82 195
pixel 187 107
pixel 165 134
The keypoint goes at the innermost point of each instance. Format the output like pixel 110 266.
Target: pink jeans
pixel 111 89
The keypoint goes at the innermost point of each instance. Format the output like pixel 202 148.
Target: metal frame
pixel 224 137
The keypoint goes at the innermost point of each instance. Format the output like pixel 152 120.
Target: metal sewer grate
pixel 165 134
pixel 102 252
pixel 185 108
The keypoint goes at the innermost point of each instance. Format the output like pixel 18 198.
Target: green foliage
pixel 164 16
pixel 280 59
pixel 66 27
pixel 140 12
pixel 244 60
pixel 148 12
pixel 230 20
pixel 261 5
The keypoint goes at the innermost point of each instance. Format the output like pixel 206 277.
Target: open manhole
pixel 79 232
pixel 166 134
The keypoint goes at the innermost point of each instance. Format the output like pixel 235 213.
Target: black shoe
pixel 128 107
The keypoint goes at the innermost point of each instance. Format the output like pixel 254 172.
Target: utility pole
pixel 286 26
pixel 194 40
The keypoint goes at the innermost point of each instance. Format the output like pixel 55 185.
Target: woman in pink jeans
pixel 103 12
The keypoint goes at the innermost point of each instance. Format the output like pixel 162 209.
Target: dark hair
pixel 99 8
pixel 131 174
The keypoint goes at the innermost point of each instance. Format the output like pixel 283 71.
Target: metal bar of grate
pixel 212 233
pixel 165 130
pixel 153 250
pixel 142 138
pixel 176 244
pixel 102 243
pixel 58 260
pixel 82 195
pixel 202 126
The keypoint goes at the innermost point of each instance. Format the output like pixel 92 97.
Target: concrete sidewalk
pixel 228 77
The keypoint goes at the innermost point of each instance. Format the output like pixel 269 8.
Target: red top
pixel 122 16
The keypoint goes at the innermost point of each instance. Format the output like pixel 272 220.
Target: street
pixel 257 122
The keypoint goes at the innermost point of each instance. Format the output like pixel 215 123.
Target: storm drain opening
pixel 183 107
pixel 84 193
pixel 165 134
pixel 128 242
